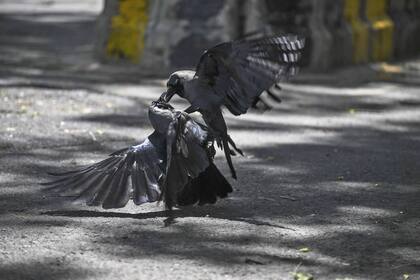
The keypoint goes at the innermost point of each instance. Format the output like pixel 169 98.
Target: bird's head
pixel 160 104
pixel 175 84
pixel 161 114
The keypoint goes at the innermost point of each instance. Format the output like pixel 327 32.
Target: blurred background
pixel 156 37
pixel 172 34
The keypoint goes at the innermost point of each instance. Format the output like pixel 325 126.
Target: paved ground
pixel 329 184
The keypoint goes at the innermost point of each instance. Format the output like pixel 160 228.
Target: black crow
pixel 235 74
pixel 174 164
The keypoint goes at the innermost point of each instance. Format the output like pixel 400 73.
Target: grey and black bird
pixel 234 75
pixel 174 164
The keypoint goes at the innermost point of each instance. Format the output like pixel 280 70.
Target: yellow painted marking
pixel 381 30
pixel 389 68
pixel 126 39
pixel 360 31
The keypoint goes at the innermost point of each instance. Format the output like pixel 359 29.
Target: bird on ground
pixel 174 164
pixel 234 75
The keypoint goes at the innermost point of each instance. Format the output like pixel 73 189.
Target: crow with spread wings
pixel 174 164
pixel 234 75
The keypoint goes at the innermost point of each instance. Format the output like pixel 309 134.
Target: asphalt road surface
pixel 329 184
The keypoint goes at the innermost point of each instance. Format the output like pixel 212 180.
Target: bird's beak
pixel 166 96
pixel 161 98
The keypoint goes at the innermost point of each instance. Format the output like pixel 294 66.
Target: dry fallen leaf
pixel 86 110
pixel 304 250
pixel 23 109
pixel 302 276
pixel 92 135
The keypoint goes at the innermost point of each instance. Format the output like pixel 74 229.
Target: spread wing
pixel 239 71
pixel 133 172
pixel 188 156
pixel 162 163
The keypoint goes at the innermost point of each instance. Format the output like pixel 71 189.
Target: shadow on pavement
pixel 47 269
pixel 348 154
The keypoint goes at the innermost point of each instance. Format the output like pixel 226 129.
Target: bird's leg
pixel 190 110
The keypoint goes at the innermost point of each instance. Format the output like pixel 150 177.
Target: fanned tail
pixel 206 188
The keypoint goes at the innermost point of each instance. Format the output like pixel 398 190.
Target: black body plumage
pixel 174 164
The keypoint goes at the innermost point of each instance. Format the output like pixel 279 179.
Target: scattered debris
pixel 22 109
pixel 352 111
pixel 304 250
pixel 92 135
pixel 287 197
pixel 268 199
pixel 275 200
pixel 302 276
pixel 108 105
pixel 253 261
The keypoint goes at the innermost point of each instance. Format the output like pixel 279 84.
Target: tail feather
pixel 206 188
pixel 260 104
pixel 273 96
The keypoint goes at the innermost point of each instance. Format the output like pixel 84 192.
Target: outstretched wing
pixel 187 155
pixel 162 163
pixel 239 71
pixel 107 183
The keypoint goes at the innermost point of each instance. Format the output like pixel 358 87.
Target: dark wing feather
pixel 238 72
pixel 187 156
pixel 137 172
pixel 206 188
pixel 129 173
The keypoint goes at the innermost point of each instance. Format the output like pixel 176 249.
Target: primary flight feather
pixel 234 75
pixel 174 164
